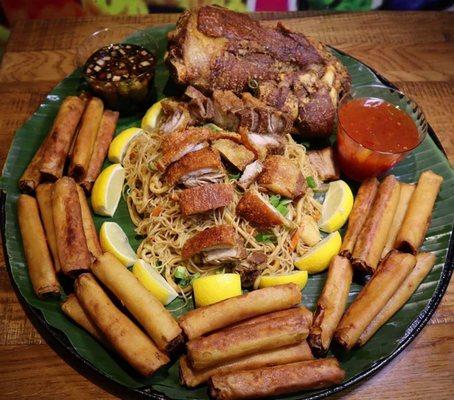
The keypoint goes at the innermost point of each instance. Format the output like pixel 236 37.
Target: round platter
pixel 91 359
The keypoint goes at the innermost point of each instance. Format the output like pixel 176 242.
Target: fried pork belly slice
pixel 324 163
pixel 175 116
pixel 217 245
pixel 205 198
pixel 196 168
pixel 251 268
pixel 200 107
pixel 250 174
pixel 259 212
pixel 262 145
pixel 177 144
pixel 282 176
pixel 236 154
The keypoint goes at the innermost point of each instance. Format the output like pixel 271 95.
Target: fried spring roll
pixel 37 255
pixel 277 380
pixel 417 219
pixel 31 177
pixel 86 138
pixel 230 344
pixel 290 312
pixel 373 235
pixel 361 207
pixel 72 246
pixel 101 146
pixel 149 311
pixel 284 355
pixel 331 304
pixel 63 130
pixel 207 319
pixel 424 263
pixel 44 198
pixel 72 308
pixel 373 297
pixel 406 191
pixel 121 333
pixel 89 226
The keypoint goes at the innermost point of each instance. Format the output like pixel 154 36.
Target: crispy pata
pixel 196 168
pixel 324 163
pixel 259 212
pixel 236 154
pixel 205 198
pixel 218 245
pixel 282 176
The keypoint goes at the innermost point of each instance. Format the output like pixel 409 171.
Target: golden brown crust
pixel 201 159
pixel 100 148
pixel 236 154
pixel 276 380
pixel 203 320
pixel 283 355
pixel 91 234
pixel 123 334
pixel 72 246
pixel 361 207
pixel 282 176
pixel 373 297
pixel 205 198
pixel 372 237
pixel 230 344
pixel 331 304
pixel 37 255
pixel 257 211
pixel 417 219
pixel 60 138
pixel 221 235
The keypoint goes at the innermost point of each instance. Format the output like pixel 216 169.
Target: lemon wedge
pixel 298 277
pixel 151 117
pixel 336 207
pixel 114 240
pixel 318 257
pixel 120 144
pixel 107 189
pixel 214 288
pixel 154 282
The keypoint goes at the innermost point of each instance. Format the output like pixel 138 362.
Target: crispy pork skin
pixel 218 245
pixel 324 163
pixel 213 48
pixel 236 154
pixel 258 212
pixel 282 176
pixel 205 198
pixel 196 168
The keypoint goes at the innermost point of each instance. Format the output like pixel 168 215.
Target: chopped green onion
pixel 264 237
pixel 274 200
pixel 311 182
pixel 280 204
pixel 220 271
pixel 253 84
pixel 235 176
pixel 180 272
pixel 152 166
pixel 183 283
pixel 213 127
pixel 195 276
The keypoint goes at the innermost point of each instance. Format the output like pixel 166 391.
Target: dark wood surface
pixel 413 50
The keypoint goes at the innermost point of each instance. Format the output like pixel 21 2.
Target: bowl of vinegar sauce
pixel 377 127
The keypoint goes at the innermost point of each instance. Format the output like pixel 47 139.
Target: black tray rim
pixel 58 341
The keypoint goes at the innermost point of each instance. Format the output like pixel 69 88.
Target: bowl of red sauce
pixel 377 127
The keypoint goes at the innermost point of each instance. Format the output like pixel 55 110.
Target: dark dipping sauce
pixel 378 125
pixel 121 74
pixel 372 136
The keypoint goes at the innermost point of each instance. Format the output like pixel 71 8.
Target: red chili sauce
pixel 378 125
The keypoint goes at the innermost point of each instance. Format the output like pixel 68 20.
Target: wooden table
pixel 413 50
